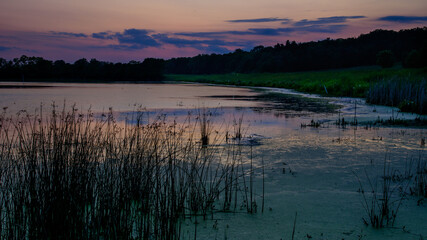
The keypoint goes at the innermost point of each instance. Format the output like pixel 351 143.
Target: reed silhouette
pixel 74 175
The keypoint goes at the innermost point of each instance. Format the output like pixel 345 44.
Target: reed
pixel 407 94
pixel 238 128
pixel 419 187
pixel 205 125
pixel 74 175
pixel 313 124
pixel 382 200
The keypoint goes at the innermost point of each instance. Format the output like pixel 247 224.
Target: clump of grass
pixel 407 94
pixel 419 187
pixel 74 175
pixel 417 121
pixel 382 203
pixel 341 122
pixel 205 125
pixel 313 124
pixel 237 127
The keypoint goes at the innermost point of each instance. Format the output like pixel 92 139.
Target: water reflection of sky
pixel 308 170
pixel 119 97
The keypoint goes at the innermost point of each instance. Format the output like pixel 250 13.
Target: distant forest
pixel 28 68
pixel 380 47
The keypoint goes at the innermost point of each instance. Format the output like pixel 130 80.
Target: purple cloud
pixel 265 31
pixel 137 37
pixel 125 47
pixel 326 20
pixel 403 19
pixel 180 42
pixel 2 48
pixel 270 31
pixel 336 28
pixel 211 45
pixel 259 20
pixel 212 34
pixel 104 35
pixel 215 49
pixel 69 34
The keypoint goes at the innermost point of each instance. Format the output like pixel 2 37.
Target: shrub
pixel 413 60
pixel 385 58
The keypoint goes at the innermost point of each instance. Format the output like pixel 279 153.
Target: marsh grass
pixel 313 124
pixel 405 93
pixel 398 87
pixel 392 121
pixel 238 128
pixel 383 198
pixel 349 82
pixel 73 175
pixel 419 187
pixel 204 118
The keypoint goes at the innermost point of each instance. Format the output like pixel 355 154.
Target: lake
pixel 309 170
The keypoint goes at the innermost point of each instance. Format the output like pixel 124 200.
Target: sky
pixel 125 30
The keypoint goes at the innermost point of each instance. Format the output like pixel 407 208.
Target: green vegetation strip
pixel 351 82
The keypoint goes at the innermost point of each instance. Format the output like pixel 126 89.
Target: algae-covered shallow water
pixel 311 171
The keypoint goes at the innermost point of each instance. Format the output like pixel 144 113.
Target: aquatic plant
pixel 238 128
pixel 205 125
pixel 419 187
pixel 74 175
pixel 313 124
pixel 382 203
pixel 405 93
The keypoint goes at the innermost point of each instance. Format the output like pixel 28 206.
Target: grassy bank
pixel 351 82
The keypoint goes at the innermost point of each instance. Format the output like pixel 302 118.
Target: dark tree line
pixel 406 46
pixel 38 68
pixel 382 47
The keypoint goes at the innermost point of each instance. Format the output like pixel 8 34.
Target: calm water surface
pixel 311 171
pixel 120 97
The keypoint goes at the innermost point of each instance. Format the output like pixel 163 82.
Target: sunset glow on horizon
pixel 120 31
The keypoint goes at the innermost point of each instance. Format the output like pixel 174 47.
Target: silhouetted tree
pixel 80 67
pixel 152 69
pixel 385 58
pixel 414 59
pixel 38 68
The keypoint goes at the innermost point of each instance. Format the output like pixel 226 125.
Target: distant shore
pixel 350 82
